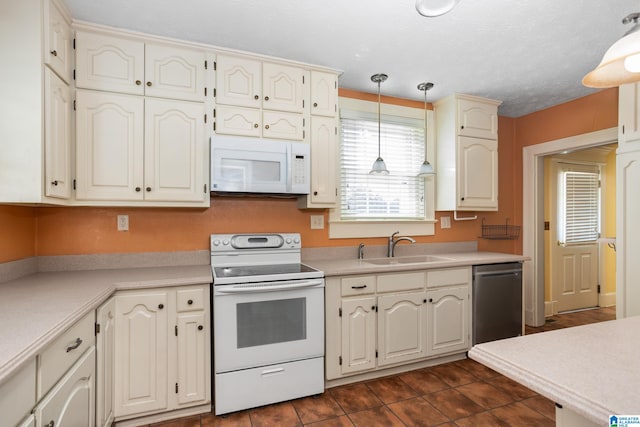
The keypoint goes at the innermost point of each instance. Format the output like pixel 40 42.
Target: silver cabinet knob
pixel 54 53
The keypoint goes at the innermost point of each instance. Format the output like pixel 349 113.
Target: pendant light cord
pixel 378 118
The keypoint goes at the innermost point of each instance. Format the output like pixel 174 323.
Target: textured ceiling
pixel 531 54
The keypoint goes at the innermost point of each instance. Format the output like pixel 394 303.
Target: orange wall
pixel 75 230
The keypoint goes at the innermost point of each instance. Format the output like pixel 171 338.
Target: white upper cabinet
pixel 628 115
pixel 324 94
pixel 282 125
pixel 57 51
pixel 324 161
pixel 57 136
pixel 467 153
pixel 282 88
pixel 238 81
pixel 130 66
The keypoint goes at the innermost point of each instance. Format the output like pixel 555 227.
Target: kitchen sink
pixel 407 260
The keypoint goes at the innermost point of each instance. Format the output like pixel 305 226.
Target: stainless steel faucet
pixel 393 241
pixel 361 251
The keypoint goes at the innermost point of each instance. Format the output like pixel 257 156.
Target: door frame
pixel 533 212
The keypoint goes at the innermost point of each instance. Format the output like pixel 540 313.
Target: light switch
pixel 445 222
pixel 317 222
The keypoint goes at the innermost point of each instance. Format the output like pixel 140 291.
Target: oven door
pixel 258 324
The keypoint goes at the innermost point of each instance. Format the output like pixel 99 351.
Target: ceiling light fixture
pixel 432 8
pixel 379 168
pixel 425 169
pixel 621 62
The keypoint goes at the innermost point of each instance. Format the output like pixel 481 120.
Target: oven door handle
pixel 266 287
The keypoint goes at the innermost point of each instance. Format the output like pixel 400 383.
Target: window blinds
pixel 581 207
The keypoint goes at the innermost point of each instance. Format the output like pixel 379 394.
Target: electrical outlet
pixel 123 222
pixel 317 222
pixel 445 222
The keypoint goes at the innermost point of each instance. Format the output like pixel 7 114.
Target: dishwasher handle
pixel 498 273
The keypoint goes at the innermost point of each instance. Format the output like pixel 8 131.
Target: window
pixel 579 204
pixel 377 205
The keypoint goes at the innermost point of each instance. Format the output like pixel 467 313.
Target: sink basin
pixel 419 259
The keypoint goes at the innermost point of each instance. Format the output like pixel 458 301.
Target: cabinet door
pixel 281 125
pixel 174 151
pixel 402 322
pixel 238 121
pixel 477 171
pixel 324 146
pixel 109 63
pixel 105 358
pixel 238 81
pixel 448 320
pixel 30 421
pixel 477 119
pixel 141 363
pixel 71 402
pixel 358 334
pixel 57 49
pixel 109 146
pixel 57 136
pixel 172 72
pixel 282 88
pixel 193 363
pixel 324 94
pixel 628 114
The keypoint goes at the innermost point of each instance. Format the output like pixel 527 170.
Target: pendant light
pixel 379 168
pixel 425 169
pixel 621 62
pixel 431 8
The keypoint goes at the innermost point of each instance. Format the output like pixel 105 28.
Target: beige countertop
pixel 36 309
pixel 592 370
pixel 353 266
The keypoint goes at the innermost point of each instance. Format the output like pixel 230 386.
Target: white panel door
pixel 109 63
pixel 358 334
pixel 324 94
pixel 628 230
pixel 172 72
pixel 324 147
pixel 105 359
pixel 477 119
pixel 57 136
pixel 238 81
pixel 282 88
pixel 141 362
pixel 57 50
pixel 71 402
pixel 193 363
pixel 238 121
pixel 109 146
pixel 448 320
pixel 402 323
pixel 174 151
pixel 281 125
pixel 477 169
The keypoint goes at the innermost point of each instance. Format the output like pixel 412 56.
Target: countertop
pixel 353 266
pixel 593 370
pixel 36 309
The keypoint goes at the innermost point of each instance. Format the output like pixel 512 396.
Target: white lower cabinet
pixel 386 320
pixel 161 352
pixel 71 402
pixel 105 339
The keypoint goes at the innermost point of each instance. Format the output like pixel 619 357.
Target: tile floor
pixel 463 393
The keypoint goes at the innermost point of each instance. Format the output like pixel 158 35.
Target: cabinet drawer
pixel 59 356
pixel 448 277
pixel 358 285
pixel 192 299
pixel 400 281
pixel 18 395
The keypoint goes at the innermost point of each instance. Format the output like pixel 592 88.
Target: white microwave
pixel 253 165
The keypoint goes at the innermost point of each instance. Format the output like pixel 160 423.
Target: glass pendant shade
pixel 425 169
pixel 621 62
pixel 379 167
pixel 432 8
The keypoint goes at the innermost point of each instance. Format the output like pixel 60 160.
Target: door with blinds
pixel 574 250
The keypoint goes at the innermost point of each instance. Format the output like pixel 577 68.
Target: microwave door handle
pixel 289 167
pixel 261 287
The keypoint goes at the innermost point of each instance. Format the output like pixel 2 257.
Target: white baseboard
pixel 607 300
pixel 550 308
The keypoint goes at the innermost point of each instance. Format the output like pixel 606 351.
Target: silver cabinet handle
pixel 74 346
pixel 54 53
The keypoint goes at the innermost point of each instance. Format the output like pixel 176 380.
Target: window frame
pixel 340 228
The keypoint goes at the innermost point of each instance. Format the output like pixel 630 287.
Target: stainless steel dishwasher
pixel 497 301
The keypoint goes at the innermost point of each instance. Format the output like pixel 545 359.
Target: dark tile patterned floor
pixel 463 393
